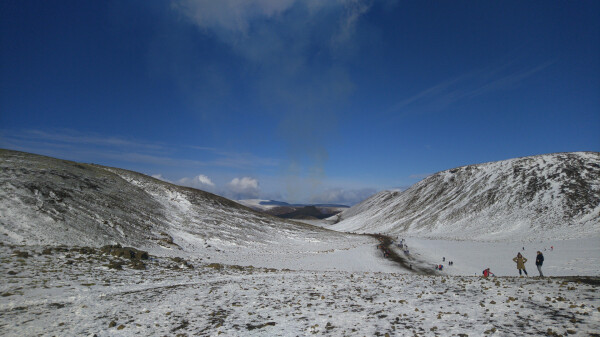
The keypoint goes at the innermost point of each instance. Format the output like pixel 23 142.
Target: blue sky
pixel 301 101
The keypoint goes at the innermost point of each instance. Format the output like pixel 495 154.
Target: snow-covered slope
pixel 541 197
pixel 47 201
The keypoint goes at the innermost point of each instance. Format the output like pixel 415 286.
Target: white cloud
pixel 204 180
pixel 231 15
pixel 231 20
pixel 259 28
pixel 243 188
pixel 200 182
pixel 354 10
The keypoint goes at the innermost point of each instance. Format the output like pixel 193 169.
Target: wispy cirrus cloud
pixel 74 145
pixel 68 136
pixel 468 86
pixel 142 158
pixel 236 159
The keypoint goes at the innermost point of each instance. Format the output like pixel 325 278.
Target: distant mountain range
pixel 531 198
pixel 293 211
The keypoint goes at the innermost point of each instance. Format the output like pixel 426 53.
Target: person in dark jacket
pixel 539 260
pixel 520 260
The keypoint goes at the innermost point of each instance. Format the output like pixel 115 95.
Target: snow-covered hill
pixel 47 201
pixel 555 196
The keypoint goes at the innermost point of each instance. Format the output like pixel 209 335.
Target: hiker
pixel 487 273
pixel 520 260
pixel 539 260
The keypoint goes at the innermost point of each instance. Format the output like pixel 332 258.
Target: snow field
pixel 357 253
pixel 569 257
pixel 575 257
pixel 49 295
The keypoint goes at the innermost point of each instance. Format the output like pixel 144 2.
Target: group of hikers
pixel 384 249
pixel 386 252
pixel 402 245
pixel 520 260
pixel 441 266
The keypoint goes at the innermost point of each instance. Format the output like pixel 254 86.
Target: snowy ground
pixel 321 252
pixel 73 293
pixel 575 257
pixel 254 274
pixel 568 258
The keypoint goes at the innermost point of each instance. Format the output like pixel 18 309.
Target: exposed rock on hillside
pixel 50 201
pixel 555 195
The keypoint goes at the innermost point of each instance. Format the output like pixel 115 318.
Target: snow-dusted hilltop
pixel 554 196
pixel 49 201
